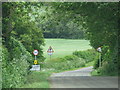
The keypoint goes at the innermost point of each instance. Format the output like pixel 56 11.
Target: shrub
pixel 66 63
pixel 96 64
pixel 0 76
pixel 70 58
pixel 88 55
pixel 109 64
pixel 15 64
pixel 107 69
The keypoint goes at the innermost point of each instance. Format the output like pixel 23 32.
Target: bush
pixel 96 64
pixel 66 63
pixel 88 55
pixel 110 62
pixel 0 66
pixel 14 64
pixel 71 58
pixel 107 69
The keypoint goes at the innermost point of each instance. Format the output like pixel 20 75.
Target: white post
pixel 99 50
pixel 35 57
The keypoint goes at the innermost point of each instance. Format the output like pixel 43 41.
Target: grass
pixel 86 65
pixel 89 64
pixel 63 47
pixel 95 73
pixel 37 79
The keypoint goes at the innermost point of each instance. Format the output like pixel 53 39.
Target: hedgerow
pixel 66 63
pixel 14 64
pixel 88 55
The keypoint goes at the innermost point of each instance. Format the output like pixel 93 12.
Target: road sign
pixel 35 52
pixel 35 62
pixel 35 68
pixel 50 51
pixel 99 49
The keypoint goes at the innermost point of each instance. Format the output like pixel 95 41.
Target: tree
pixel 20 37
pixel 56 24
pixel 18 23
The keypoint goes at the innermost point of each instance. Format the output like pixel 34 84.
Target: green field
pixel 63 47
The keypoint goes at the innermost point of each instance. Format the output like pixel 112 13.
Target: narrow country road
pixel 81 79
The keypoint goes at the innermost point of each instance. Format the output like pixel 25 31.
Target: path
pixel 81 79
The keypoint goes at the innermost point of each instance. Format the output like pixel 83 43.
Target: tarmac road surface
pixel 81 79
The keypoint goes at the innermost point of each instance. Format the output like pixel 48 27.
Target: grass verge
pixel 37 79
pixel 95 73
pixel 89 64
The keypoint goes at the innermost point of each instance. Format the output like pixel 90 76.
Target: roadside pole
pixel 35 57
pixel 50 57
pixel 100 59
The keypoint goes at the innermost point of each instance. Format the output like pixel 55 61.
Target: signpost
pixel 35 67
pixel 35 52
pixel 99 50
pixel 50 51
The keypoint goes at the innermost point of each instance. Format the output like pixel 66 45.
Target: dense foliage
pixel 104 32
pixel 58 23
pixel 20 36
pixel 15 70
pixel 0 67
pixel 18 23
pixel 88 55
